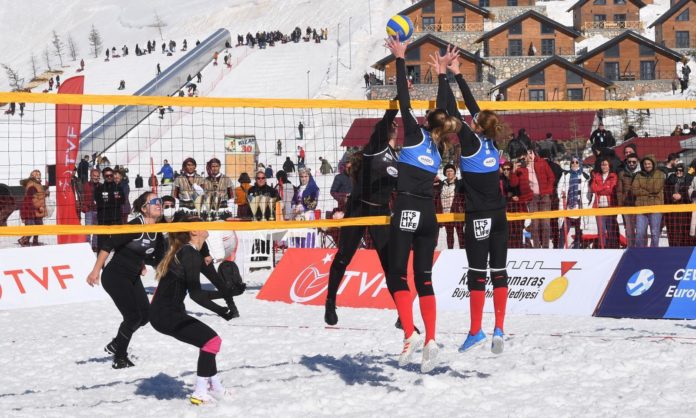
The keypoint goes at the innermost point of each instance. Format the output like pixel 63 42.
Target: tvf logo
pixel 43 277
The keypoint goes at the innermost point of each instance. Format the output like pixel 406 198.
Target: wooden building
pixel 446 16
pixel 607 14
pixel 417 65
pixel 629 57
pixel 530 33
pixel 554 79
pixel 673 29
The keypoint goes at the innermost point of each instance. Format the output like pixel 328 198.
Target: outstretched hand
pixel 452 59
pixel 397 48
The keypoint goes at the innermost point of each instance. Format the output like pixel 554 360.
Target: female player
pixel 178 273
pixel 486 227
pixel 374 175
pixel 413 224
pixel 121 277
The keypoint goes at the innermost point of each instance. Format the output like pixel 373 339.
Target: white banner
pixel 557 282
pixel 46 275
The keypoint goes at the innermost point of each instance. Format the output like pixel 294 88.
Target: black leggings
pixel 187 329
pixel 349 240
pixel 413 226
pixel 131 300
pixel 486 235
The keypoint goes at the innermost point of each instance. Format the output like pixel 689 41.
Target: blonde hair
pixel 177 241
pixel 491 125
pixel 441 125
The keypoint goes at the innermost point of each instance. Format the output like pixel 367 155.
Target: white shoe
pixel 221 394
pixel 201 398
pixel 430 352
pixel 410 345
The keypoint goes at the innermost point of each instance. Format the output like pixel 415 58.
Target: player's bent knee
pixel 213 345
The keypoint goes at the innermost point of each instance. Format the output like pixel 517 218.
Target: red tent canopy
pixel 563 125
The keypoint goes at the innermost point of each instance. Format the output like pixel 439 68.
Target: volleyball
pixel 400 26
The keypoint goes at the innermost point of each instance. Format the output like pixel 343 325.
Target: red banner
pixel 68 125
pixel 302 276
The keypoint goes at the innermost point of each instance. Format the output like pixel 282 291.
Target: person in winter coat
pixel 218 187
pixel 625 197
pixel 325 167
pixel 88 205
pixel 601 138
pixel 167 173
pixel 109 198
pixel 262 189
pixel 83 169
pixel 122 181
pixel 288 165
pixel 240 196
pixel 676 193
pixel 648 188
pixel 508 176
pixel 449 198
pixel 33 208
pixel 573 193
pixel 342 185
pixel 306 196
pixel 604 188
pixel 286 191
pixel 189 185
pixel 524 138
pixel 541 181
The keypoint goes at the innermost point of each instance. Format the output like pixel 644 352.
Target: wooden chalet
pixel 446 16
pixel 673 29
pixel 607 14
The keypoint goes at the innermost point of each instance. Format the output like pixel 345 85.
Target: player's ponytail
pixel 177 240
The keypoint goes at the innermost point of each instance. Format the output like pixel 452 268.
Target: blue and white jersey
pixel 424 155
pixel 485 160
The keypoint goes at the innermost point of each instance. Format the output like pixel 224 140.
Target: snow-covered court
pixel 280 360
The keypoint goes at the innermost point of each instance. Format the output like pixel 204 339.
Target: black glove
pixel 226 314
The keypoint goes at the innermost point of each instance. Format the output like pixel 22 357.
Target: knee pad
pixel 499 278
pixel 424 284
pixel 213 345
pixel 397 282
pixel 476 280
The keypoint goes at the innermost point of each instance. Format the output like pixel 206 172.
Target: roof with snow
pixel 638 3
pixel 533 15
pixel 420 4
pixel 671 11
pixel 636 37
pixel 604 82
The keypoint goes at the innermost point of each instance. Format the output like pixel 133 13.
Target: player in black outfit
pixel 413 224
pixel 178 274
pixel 374 177
pixel 121 277
pixel 486 227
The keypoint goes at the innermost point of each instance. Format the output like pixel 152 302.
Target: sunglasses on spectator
pixel 575 162
pixel 155 201
pixel 167 205
pixel 260 178
pixel 108 176
pixel 632 162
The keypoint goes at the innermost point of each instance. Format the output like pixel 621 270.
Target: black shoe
pixel 330 316
pixel 398 325
pixel 234 312
pixel 121 363
pixel 111 347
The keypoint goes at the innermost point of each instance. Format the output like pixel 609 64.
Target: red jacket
pixel 520 179
pixel 87 203
pixel 606 188
pixel 544 176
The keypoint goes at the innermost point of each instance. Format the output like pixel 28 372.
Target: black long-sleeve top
pixel 182 277
pixel 481 190
pixel 132 251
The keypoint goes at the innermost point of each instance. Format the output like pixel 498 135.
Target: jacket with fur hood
pixel 648 187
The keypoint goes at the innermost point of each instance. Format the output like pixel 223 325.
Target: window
pixel 413 54
pixel 537 79
pixel 428 23
pixel 414 71
pixel 612 51
pixel 619 1
pixel 546 28
pixel 682 37
pixel 515 29
pixel 457 7
pixel 458 22
pixel 599 18
pixel 600 2
pixel 484 3
pixel 647 70
pixel 429 8
pixel 620 18
pixel 536 95
pixel 683 16
pixel 573 78
pixel 512 2
pixel 515 47
pixel 646 51
pixel 574 94
pixel 611 70
pixel 548 46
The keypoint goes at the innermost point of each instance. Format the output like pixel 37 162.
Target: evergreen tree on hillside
pixel 58 47
pixel 16 82
pixel 33 64
pixel 47 58
pixel 95 41
pixel 72 48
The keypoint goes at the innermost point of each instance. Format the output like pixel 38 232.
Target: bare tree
pixel 58 46
pixel 33 64
pixel 47 58
pixel 72 48
pixel 95 41
pixel 159 24
pixel 16 82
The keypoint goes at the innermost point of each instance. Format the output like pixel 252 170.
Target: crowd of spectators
pixel 270 38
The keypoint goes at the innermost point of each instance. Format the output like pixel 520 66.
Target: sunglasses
pixel 108 176
pixel 575 162
pixel 260 178
pixel 167 206
pixel 155 201
pixel 632 162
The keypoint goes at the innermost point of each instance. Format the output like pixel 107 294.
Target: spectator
pixel 286 191
pixel 325 167
pixel 279 147
pixel 541 180
pixel 88 204
pixel 7 204
pixel 109 198
pixel 670 165
pixel 122 85
pixel 199 77
pixel 240 196
pixel 288 165
pixel 306 196
pixel 629 149
pixel 557 172
pixel 573 193
pixel 218 187
pixel 21 109
pixel 693 123
pixel 300 157
pixel 342 185
pixel 367 80
pixel 677 131
pixel 122 181
pixel 189 185
pixel 159 69
pixel 50 84
pixel 449 199
pixel 82 64
pixel 300 129
pixel 631 133
pixel 676 193
pixel 686 130
pixel 625 197
pixel 83 169
pixel 647 187
pixel 167 173
pixel 33 208
pixel 601 138
pixel 604 188
pixel 269 172
pixel 520 197
pixel 262 189
pixel 524 138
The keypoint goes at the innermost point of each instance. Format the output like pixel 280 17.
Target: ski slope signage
pixel 557 282
pixel 47 275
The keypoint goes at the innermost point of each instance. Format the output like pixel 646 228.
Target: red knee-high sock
pixel 404 306
pixel 500 297
pixel 477 299
pixel 429 314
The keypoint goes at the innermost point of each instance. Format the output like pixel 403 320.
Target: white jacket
pixel 564 186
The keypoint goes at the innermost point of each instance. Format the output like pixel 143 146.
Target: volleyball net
pixel 147 141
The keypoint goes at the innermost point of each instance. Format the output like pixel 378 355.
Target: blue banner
pixel 652 283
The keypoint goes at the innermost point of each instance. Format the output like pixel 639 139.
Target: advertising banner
pixel 653 283
pixel 47 275
pixel 302 276
pixel 557 282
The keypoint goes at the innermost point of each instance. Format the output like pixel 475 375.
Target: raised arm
pixel 411 128
pixel 440 64
pixel 380 136
pixel 469 100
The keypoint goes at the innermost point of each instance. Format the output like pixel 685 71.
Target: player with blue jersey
pixel 413 223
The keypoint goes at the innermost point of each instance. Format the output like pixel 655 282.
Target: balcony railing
pixel 609 25
pixel 504 52
pixel 450 27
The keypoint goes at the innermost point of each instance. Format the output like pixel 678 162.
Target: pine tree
pixel 159 24
pixel 15 81
pixel 33 64
pixel 72 48
pixel 95 41
pixel 47 58
pixel 58 46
